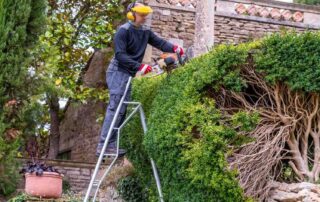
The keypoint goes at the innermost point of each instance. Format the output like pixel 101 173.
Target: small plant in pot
pixel 41 180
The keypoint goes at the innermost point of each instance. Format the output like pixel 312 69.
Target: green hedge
pixel 131 189
pixel 293 59
pixel 191 168
pixel 188 137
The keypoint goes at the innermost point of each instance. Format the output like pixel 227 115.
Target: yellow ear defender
pixel 132 9
pixel 130 14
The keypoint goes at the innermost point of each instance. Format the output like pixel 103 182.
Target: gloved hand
pixel 144 69
pixel 178 49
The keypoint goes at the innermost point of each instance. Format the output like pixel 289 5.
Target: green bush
pixel 68 196
pixel 21 197
pixel 293 59
pixel 131 189
pixel 188 136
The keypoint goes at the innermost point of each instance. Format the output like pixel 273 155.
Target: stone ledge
pixel 66 163
pixel 179 8
pixel 267 20
pixel 280 4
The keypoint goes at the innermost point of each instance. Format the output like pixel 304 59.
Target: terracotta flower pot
pixel 48 185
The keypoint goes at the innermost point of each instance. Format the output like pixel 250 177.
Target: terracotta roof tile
pixel 269 12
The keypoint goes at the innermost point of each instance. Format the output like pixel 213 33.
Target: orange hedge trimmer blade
pixel 167 55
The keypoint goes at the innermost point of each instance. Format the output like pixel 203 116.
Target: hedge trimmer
pixel 168 62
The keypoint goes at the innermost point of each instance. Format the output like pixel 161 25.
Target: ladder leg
pixel 86 199
pixel 96 193
pixel 117 154
pixel 154 168
pixel 144 126
pixel 110 166
pixel 156 176
pixel 104 176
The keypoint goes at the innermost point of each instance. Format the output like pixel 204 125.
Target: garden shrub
pixel 132 190
pixel 202 113
pixel 175 116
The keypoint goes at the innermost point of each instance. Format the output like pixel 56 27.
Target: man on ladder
pixel 130 43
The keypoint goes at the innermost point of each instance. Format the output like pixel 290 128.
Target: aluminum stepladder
pixel 97 182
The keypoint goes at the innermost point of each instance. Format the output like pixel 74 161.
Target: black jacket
pixel 130 44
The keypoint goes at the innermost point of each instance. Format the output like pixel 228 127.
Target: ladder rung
pixel 110 155
pixel 135 103
pixel 106 155
pixel 96 182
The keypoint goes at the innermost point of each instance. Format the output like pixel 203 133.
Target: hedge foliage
pixel 131 189
pixel 293 59
pixel 187 135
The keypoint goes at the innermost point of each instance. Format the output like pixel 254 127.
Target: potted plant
pixel 41 180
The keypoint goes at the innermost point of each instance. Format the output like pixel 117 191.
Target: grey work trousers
pixel 116 83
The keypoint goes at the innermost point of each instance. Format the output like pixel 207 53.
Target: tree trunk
pixel 54 127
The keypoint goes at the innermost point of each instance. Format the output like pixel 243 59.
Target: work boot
pixel 111 149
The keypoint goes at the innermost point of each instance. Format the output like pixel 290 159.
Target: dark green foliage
pixel 292 58
pixel 131 189
pixel 245 121
pixel 66 186
pixel 21 22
